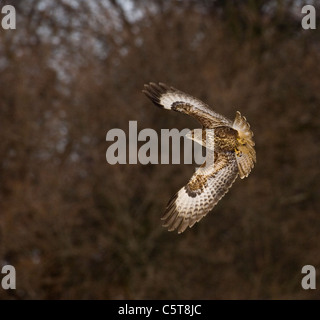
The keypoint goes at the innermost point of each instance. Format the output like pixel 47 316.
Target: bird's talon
pixel 238 153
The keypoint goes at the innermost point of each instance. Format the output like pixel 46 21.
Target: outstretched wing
pixel 173 99
pixel 206 187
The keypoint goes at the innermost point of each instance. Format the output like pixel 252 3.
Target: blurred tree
pixel 76 227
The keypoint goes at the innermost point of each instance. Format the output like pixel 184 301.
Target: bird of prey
pixel 233 154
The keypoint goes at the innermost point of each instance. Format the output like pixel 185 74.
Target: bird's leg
pixel 241 141
pixel 238 152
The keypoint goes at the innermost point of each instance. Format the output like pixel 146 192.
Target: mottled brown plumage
pixel 230 151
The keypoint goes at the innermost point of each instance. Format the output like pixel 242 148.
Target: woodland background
pixel 76 227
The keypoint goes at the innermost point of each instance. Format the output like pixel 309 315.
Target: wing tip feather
pixel 155 91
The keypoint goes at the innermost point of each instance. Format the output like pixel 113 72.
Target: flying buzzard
pixel 233 154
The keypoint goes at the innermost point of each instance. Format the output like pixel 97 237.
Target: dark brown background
pixel 76 227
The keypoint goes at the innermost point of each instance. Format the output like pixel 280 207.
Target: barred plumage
pixel 234 154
